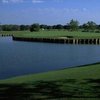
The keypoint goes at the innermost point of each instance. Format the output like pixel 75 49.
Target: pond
pixel 21 58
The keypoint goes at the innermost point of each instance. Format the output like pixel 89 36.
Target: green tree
pixel 49 27
pixel 43 26
pixel 0 27
pixel 98 27
pixel 85 27
pixel 89 26
pixel 73 25
pixel 35 27
pixel 10 27
pixel 22 27
pixel 59 26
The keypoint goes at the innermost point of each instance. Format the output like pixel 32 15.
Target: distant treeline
pixel 73 25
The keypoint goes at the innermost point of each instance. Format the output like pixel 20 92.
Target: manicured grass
pixel 85 72
pixel 50 34
pixel 53 33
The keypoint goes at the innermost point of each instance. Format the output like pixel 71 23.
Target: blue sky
pixel 49 11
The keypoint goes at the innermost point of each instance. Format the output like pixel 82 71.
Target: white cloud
pixel 37 1
pixel 33 1
pixel 13 1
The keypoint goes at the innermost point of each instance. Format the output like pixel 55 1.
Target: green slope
pixel 83 72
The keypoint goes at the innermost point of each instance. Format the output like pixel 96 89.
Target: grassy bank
pixel 84 72
pixel 79 83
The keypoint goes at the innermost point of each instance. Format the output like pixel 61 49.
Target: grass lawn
pixel 52 33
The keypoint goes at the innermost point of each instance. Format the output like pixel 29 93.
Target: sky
pixel 49 12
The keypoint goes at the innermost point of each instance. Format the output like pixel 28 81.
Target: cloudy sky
pixel 48 11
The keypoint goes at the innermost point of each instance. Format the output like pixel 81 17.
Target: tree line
pixel 73 25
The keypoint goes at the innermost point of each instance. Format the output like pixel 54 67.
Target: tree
pixel 66 27
pixel 49 27
pixel 22 27
pixel 73 25
pixel 85 27
pixel 15 27
pixel 98 27
pixel 89 26
pixel 10 27
pixel 0 27
pixel 6 27
pixel 59 27
pixel 43 26
pixel 35 27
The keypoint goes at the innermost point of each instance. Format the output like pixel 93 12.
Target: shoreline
pixel 45 74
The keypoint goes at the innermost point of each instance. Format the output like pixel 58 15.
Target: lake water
pixel 20 58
